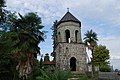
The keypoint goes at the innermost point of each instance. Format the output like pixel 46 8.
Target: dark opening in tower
pixel 73 64
pixel 67 34
pixel 76 35
pixel 59 36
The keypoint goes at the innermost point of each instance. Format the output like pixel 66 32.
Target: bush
pixel 57 75
pixel 105 69
pixel 83 77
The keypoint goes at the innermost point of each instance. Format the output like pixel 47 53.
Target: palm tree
pixel 26 37
pixel 90 40
pixel 21 41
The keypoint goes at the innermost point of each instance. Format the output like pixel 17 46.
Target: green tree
pixel 26 37
pixel 54 37
pixel 21 40
pixel 7 63
pixel 101 56
pixel 105 68
pixel 90 41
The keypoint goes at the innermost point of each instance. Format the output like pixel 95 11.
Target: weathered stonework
pixel 70 51
pixel 65 51
pixel 72 26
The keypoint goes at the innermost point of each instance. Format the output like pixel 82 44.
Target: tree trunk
pixel 93 67
pixel 25 68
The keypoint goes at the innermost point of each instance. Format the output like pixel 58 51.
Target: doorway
pixel 73 64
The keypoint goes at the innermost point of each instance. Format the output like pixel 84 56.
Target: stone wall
pixel 65 51
pixel 72 27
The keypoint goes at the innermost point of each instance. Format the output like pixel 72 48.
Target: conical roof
pixel 68 17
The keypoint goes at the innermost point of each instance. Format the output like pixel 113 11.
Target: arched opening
pixel 73 64
pixel 67 35
pixel 59 36
pixel 76 35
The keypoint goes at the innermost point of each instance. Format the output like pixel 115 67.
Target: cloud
pixel 113 44
pixel 90 9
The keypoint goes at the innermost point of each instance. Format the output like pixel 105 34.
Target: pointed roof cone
pixel 68 17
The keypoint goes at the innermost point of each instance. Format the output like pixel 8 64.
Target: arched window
pixel 76 35
pixel 67 35
pixel 59 36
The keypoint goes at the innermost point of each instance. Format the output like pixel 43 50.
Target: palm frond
pixel 90 38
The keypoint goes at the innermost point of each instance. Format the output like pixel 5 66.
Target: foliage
pixel 19 39
pixel 36 71
pixel 57 75
pixel 101 55
pixel 5 17
pixel 54 36
pixel 83 77
pixel 26 36
pixel 7 63
pixel 90 41
pixel 7 67
pixel 2 3
pixel 41 63
pixel 105 68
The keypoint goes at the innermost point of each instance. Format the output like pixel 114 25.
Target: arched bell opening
pixel 76 35
pixel 67 35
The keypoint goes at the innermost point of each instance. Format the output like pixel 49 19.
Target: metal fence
pixel 108 76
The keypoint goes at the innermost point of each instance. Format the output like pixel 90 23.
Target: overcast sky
pixel 103 16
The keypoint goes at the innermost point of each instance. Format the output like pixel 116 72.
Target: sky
pixel 102 16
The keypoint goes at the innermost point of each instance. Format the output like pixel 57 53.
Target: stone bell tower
pixel 70 53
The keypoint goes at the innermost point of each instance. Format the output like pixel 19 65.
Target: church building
pixel 70 52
